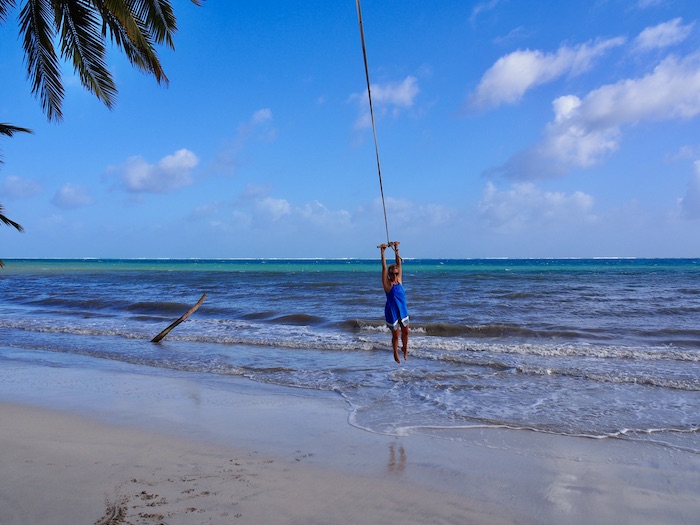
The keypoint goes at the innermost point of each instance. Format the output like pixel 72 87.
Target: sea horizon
pixel 549 258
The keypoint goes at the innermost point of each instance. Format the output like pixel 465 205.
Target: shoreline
pixel 158 448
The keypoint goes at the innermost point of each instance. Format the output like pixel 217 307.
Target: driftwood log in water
pixel 165 332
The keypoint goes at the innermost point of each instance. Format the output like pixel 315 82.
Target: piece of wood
pixel 165 332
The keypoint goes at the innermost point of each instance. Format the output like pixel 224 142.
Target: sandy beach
pixel 86 446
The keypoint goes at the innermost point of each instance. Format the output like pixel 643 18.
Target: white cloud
pixel 507 81
pixel 258 126
pixel 205 211
pixel 398 94
pixel 17 188
pixel 571 142
pixel 483 7
pixel 261 115
pixel 524 206
pixel 256 208
pixel 685 152
pixel 404 213
pixel 390 98
pixel 273 209
pixel 324 218
pixel 71 196
pixel 690 203
pixel 663 35
pixel 672 90
pixel 168 174
pixel 584 131
pixel 253 192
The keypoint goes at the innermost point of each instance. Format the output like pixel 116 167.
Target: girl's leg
pixel 404 341
pixel 395 344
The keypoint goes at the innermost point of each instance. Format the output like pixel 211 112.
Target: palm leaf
pixel 42 61
pixel 9 222
pixel 5 6
pixel 82 27
pixel 81 42
pixel 130 34
pixel 158 19
pixel 8 130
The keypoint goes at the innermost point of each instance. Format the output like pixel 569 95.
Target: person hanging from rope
pixel 395 310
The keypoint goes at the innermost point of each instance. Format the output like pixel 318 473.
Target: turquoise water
pixel 596 347
pixel 295 265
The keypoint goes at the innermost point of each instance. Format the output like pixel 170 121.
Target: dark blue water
pixel 602 348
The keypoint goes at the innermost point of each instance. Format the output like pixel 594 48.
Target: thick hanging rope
pixel 371 113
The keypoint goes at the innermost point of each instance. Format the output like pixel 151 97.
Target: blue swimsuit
pixel 396 311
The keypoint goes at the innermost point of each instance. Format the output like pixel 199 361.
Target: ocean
pixel 602 348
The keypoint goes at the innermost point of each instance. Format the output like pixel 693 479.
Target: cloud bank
pixel 172 172
pixel 71 196
pixel 524 206
pixel 663 35
pixel 584 131
pixel 507 81
pixel 387 98
pixel 17 188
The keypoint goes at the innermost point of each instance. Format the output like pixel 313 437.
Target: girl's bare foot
pixel 396 356
pixel 405 353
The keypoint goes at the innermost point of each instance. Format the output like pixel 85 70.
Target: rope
pixel 371 113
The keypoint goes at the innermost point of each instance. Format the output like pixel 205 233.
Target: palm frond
pixel 42 61
pixel 82 27
pixel 5 6
pixel 8 130
pixel 83 44
pixel 158 18
pixel 9 222
pixel 130 34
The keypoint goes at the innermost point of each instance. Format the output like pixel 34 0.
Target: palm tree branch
pixel 134 26
pixel 40 55
pixel 128 32
pixel 158 18
pixel 8 129
pixel 9 222
pixel 5 6
pixel 83 43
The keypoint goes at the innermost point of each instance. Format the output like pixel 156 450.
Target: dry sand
pixel 64 469
pixel 149 450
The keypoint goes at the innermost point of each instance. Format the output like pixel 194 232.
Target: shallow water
pixel 601 348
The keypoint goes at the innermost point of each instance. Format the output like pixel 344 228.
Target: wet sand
pixel 84 446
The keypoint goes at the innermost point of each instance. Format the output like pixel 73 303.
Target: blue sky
pixel 506 128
